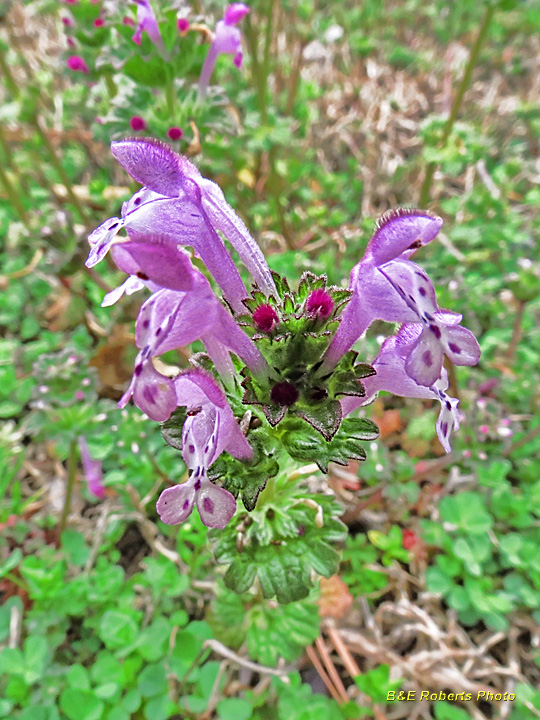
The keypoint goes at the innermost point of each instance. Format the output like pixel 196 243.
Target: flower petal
pixel 400 232
pixel 175 504
pixel 153 393
pixel 448 420
pixel 460 345
pixel 153 164
pixel 410 281
pixel 131 285
pixel 155 258
pixel 101 240
pixel 424 363
pixel 216 505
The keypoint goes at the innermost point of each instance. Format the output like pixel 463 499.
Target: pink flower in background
pixel 92 470
pixel 227 40
pixel 175 133
pixel 183 25
pixel 77 64
pixel 137 123
pixel 147 23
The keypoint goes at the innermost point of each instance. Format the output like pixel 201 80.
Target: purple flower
pixel 77 64
pixel 170 319
pixel 182 207
pixel 392 376
pixel 92 470
pixel 147 23
pixel 227 40
pixel 209 429
pixel 137 123
pixel 438 331
pixel 387 286
pixel 183 25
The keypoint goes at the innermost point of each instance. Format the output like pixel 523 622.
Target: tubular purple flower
pixel 170 319
pixel 183 207
pixel 147 23
pixel 399 233
pixel 390 365
pixel 209 429
pixel 92 470
pixel 227 40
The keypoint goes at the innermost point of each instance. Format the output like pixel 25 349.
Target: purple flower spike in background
pixel 209 429
pixel 227 40
pixel 147 23
pixel 92 470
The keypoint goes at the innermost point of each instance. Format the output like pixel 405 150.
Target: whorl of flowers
pixel 293 348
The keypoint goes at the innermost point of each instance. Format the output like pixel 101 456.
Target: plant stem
pixel 456 106
pixel 13 196
pixel 111 85
pixel 6 72
pixel 170 95
pixel 516 334
pixel 73 458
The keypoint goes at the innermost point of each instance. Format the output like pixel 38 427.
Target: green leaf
pixel 81 705
pixel 467 512
pixel 376 683
pixel 77 677
pixel 281 632
pixel 153 680
pixel 74 544
pixel 324 417
pixel 36 651
pixel 13 560
pixel 117 629
pixel 152 73
pixel 233 709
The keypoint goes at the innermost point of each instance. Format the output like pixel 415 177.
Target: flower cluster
pixel 292 348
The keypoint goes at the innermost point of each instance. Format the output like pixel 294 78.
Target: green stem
pixel 6 72
pixel 111 85
pixel 73 458
pixel 256 66
pixel 266 54
pixel 170 95
pixel 59 168
pixel 14 197
pixel 463 87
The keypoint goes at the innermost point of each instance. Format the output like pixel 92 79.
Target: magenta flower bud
pixel 77 64
pixel 183 25
pixel 67 21
pixel 265 318
pixel 235 12
pixel 71 42
pixel 126 20
pixel 174 133
pixel 320 304
pixel 284 393
pixel 237 60
pixel 99 22
pixel 137 123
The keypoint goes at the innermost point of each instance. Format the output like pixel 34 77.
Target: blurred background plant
pixel 337 114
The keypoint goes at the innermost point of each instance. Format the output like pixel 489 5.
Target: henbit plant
pixel 279 378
